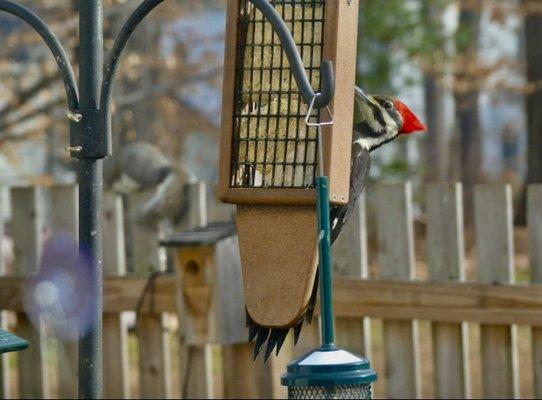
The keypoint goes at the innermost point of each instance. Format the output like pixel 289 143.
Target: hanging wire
pixel 319 126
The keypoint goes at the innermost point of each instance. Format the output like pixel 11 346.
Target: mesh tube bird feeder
pixel 268 161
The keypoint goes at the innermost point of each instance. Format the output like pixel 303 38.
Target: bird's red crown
pixel 411 123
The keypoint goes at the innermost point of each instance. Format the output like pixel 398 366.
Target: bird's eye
pixel 388 105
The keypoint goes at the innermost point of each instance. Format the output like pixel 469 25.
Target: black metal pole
pixel 90 189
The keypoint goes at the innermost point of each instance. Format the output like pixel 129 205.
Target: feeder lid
pixel 10 342
pixel 329 366
pixel 208 235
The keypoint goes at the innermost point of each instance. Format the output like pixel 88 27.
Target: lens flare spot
pixel 59 296
pixel 46 294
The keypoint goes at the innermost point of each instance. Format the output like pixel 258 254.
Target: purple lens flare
pixel 59 296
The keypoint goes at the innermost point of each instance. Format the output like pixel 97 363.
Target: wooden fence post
pixel 65 217
pixel 350 259
pixel 494 238
pixel 154 352
pixel 396 260
pixel 309 338
pixel 534 220
pixel 28 224
pixel 446 259
pixel 239 380
pixel 115 335
pixel 276 367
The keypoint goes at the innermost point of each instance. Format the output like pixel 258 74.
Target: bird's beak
pixel 411 123
pixel 361 95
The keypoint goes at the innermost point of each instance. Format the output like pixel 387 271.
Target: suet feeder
pixel 276 52
pixel 283 167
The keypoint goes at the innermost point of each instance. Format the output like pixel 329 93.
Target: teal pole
pixel 326 277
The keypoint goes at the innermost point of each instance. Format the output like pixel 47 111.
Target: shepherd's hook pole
pixel 90 190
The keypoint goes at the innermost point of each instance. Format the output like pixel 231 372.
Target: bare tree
pixel 533 38
pixel 436 150
pixel 466 99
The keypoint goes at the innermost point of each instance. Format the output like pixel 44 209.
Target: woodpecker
pixel 383 119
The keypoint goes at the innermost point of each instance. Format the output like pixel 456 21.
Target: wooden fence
pixel 438 324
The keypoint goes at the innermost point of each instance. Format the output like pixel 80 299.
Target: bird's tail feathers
pixel 275 337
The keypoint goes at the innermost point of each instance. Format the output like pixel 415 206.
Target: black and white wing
pixel 359 174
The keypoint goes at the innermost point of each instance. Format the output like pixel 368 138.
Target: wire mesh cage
pixel 272 145
pixel 331 392
pixel 268 153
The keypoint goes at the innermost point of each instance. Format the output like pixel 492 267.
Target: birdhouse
pixel 268 159
pixel 209 284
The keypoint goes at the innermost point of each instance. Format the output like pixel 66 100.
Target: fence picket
pixel 115 335
pixel 153 339
pixel 534 219
pixel 350 259
pixel 309 338
pixel 248 379
pixel 64 217
pixel 494 238
pixel 28 224
pixel 276 367
pixel 237 362
pixel 259 380
pixel 396 260
pixel 445 245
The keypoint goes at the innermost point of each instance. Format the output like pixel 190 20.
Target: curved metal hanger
pixel 112 64
pixel 52 42
pixel 324 97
